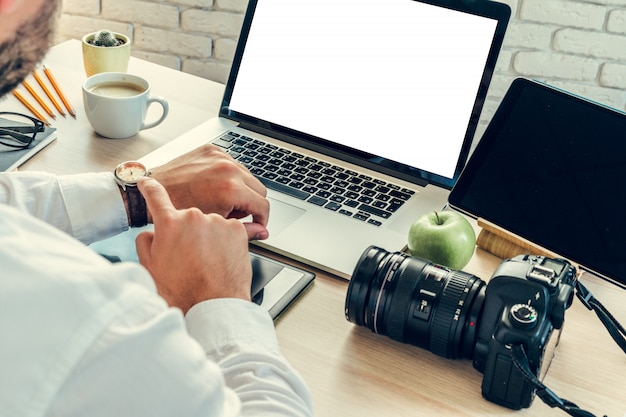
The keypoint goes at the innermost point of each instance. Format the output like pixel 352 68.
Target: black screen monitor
pixel 551 168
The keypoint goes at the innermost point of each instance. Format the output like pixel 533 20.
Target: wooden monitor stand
pixel 504 244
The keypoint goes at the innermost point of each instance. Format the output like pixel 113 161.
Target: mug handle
pixel 166 108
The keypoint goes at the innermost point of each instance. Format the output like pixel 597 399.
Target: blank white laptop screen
pixel 322 67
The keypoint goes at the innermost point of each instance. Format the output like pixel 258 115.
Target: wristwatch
pixel 126 175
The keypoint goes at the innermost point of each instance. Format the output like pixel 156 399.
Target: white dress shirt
pixel 84 337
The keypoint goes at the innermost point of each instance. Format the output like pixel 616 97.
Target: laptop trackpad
pixel 281 216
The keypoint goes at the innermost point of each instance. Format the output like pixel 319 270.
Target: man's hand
pixel 210 179
pixel 193 256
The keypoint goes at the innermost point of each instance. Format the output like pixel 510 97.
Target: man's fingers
pixel 256 231
pixel 157 199
pixel 254 183
pixel 143 243
pixel 257 206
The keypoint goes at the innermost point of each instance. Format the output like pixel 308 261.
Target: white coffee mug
pixel 116 104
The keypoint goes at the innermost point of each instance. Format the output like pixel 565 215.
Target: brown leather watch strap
pixel 137 210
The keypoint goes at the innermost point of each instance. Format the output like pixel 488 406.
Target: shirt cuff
pixel 223 322
pixel 94 205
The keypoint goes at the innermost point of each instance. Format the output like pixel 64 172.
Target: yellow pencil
pixel 30 107
pixel 48 93
pixel 33 93
pixel 56 86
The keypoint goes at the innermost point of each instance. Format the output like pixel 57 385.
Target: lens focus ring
pixel 441 328
pixel 402 297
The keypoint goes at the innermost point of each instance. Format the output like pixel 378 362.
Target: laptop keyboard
pixel 343 191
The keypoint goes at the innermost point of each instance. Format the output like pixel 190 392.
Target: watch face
pixel 130 171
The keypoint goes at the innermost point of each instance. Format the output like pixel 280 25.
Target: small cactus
pixel 106 38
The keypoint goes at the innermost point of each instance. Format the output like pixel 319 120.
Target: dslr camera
pixel 456 315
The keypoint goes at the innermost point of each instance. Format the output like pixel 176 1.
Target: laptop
pixel 371 106
pixel 550 168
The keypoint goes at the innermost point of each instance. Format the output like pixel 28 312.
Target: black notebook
pixel 11 159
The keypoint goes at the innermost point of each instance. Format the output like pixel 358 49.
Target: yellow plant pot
pixel 98 59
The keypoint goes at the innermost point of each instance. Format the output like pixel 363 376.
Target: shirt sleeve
pixel 86 206
pixel 85 337
pixel 239 336
pixel 146 362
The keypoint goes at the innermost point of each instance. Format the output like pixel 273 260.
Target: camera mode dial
pixel 523 316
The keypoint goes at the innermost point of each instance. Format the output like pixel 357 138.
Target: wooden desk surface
pixel 351 371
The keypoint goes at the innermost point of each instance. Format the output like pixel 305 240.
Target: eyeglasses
pixel 18 130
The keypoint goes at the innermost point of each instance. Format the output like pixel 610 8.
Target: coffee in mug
pixel 116 104
pixel 116 89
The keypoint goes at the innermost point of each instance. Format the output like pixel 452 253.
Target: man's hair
pixel 20 54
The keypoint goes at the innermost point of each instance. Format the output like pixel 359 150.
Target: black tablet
pixel 275 285
pixel 551 168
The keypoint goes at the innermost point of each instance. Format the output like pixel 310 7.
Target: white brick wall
pixel 195 36
pixel 578 45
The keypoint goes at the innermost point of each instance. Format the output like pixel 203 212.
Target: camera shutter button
pixel 523 315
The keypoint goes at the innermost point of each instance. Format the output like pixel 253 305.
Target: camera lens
pixel 414 301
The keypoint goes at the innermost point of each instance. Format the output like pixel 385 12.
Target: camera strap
pixel 520 359
pixel 547 396
pixel 615 329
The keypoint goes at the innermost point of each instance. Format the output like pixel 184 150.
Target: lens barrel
pixel 414 301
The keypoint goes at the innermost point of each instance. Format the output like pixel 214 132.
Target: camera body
pixel 525 303
pixel 454 314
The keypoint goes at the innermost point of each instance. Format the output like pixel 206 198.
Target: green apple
pixel 445 238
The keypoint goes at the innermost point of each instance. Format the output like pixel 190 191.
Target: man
pixel 85 337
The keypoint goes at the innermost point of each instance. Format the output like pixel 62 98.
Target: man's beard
pixel 20 55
